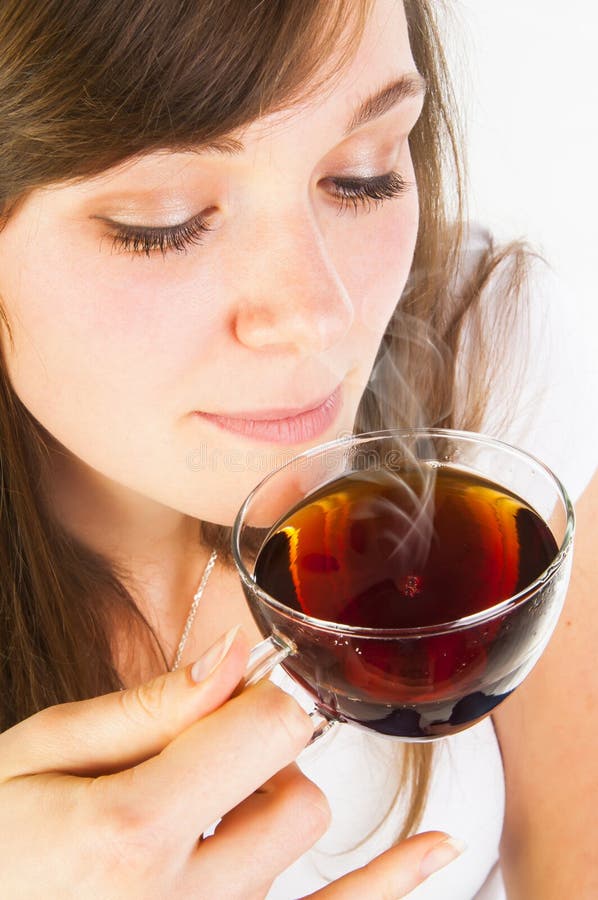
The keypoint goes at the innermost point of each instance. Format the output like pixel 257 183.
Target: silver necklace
pixel 196 599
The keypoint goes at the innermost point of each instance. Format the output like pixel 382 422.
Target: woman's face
pixel 127 322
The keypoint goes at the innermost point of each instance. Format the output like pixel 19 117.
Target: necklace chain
pixel 194 605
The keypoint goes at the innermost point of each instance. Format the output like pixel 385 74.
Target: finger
pixel 120 729
pixel 396 872
pixel 265 834
pixel 214 765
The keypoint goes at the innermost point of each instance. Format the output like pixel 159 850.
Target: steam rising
pixel 404 519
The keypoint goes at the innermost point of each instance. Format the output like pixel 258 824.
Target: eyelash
pixel 354 193
pixel 368 192
pixel 148 239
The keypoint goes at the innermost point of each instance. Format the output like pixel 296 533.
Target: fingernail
pixel 441 855
pixel 212 658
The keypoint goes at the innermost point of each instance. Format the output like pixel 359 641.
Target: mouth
pixel 281 426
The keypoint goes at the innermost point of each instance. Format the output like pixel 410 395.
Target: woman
pixel 209 216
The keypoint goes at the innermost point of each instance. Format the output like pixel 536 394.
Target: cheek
pixel 374 258
pixel 94 338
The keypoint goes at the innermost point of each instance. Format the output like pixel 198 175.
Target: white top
pixel 358 771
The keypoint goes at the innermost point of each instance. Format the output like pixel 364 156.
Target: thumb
pixel 119 730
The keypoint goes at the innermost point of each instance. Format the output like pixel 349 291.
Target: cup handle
pixel 264 657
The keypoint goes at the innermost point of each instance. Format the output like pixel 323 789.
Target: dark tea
pixel 422 547
pixel 366 551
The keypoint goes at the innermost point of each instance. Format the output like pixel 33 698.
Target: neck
pixel 160 559
pixel 157 549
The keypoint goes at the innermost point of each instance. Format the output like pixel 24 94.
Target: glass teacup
pixel 424 679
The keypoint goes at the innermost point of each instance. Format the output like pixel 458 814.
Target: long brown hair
pixel 85 85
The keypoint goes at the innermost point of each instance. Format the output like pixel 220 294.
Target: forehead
pixel 382 55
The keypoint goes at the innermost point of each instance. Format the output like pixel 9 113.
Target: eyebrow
pixel 412 84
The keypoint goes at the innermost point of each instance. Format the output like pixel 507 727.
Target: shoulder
pixel 550 773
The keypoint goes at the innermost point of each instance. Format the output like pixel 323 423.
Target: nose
pixel 292 296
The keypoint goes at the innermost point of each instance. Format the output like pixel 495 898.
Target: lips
pixel 281 426
pixel 277 413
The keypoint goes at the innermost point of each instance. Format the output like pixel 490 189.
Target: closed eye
pixel 359 193
pixel 352 193
pixel 147 239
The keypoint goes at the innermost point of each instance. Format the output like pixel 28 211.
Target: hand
pixel 109 797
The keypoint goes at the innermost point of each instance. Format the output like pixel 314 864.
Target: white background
pixel 526 73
